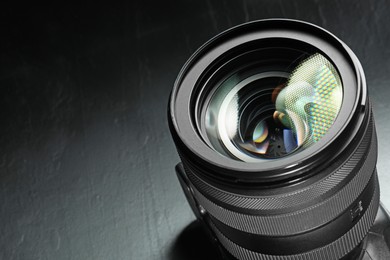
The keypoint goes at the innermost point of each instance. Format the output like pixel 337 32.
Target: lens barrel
pixel 275 132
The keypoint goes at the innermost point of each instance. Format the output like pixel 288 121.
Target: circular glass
pixel 272 108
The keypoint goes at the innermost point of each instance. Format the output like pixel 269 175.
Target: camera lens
pixel 277 140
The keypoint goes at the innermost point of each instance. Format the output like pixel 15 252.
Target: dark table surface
pixel 86 159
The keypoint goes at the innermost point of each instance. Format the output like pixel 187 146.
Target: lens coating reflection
pixel 312 99
pixel 261 114
pixel 260 133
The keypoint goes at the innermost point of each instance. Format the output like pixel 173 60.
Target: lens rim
pixel 181 108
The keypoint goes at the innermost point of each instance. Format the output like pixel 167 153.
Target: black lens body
pixel 317 203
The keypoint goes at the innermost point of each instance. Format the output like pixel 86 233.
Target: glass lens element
pixel 262 113
pixel 311 101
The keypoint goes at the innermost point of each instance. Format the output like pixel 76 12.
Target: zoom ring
pixel 334 250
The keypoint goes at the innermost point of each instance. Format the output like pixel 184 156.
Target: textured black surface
pixel 86 159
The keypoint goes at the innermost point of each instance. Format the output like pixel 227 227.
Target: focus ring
pixel 290 200
pixel 298 221
pixel 334 250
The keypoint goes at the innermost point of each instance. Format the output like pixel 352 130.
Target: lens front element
pixel 269 111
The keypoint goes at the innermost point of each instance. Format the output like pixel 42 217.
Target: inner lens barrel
pixel 275 132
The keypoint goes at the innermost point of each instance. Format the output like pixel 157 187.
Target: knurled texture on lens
pixel 289 200
pixel 334 250
pixel 302 220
